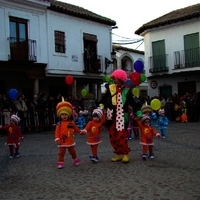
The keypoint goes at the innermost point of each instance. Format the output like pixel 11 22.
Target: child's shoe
pixel 16 155
pixel 144 156
pixel 151 155
pixel 11 156
pixel 60 165
pixel 76 162
pixel 94 159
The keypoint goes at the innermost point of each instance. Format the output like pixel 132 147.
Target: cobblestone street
pixel 173 174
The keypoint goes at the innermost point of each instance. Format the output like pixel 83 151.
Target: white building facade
pixel 44 41
pixel 172 53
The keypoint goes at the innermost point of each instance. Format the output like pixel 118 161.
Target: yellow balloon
pixel 155 104
pixel 135 91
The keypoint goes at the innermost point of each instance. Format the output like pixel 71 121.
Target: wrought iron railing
pixel 22 49
pixel 158 63
pixel 93 64
pixel 187 58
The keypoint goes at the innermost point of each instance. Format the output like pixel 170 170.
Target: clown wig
pixel 119 74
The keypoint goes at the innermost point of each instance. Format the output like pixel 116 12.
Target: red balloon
pixel 135 78
pixel 69 80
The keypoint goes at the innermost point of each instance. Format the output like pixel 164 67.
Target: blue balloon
pixel 138 66
pixel 13 94
pixel 128 83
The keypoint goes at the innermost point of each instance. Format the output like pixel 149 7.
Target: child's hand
pixel 158 135
pixel 22 138
pixel 58 142
pixel 83 132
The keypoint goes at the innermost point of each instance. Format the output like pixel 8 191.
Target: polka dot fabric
pixel 119 113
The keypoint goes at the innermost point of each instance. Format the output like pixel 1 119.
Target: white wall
pixel 174 41
pixel 74 29
pixel 36 28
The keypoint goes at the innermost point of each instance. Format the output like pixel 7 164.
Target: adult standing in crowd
pixel 22 109
pixel 6 109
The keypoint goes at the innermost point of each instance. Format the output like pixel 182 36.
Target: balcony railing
pixel 158 63
pixel 93 65
pixel 22 50
pixel 187 58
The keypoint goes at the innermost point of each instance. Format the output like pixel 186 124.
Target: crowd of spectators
pixel 40 110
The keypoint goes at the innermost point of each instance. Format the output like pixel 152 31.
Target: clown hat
pixel 15 118
pixel 145 117
pixel 98 112
pixel 64 107
pixel 146 108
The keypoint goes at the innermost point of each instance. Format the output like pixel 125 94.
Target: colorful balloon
pixel 128 83
pixel 107 78
pixel 69 80
pixel 104 78
pixel 135 91
pixel 142 78
pixel 155 104
pixel 138 66
pixel 135 78
pixel 84 92
pixel 13 94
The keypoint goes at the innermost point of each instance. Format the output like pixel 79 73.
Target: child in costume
pixel 14 136
pixel 162 123
pixel 147 135
pixel 64 133
pixel 147 110
pixel 81 121
pixel 93 130
pixel 130 123
pixel 183 107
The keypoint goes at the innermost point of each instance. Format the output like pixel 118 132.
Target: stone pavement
pixel 173 174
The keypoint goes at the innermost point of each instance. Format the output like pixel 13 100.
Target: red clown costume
pixel 116 101
pixel 93 131
pixel 14 136
pixel 147 136
pixel 64 133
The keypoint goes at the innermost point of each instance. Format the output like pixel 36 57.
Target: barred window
pixel 59 41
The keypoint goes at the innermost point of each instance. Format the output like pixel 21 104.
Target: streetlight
pixel 109 62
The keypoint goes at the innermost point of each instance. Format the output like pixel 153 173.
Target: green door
pixel 191 47
pixel 159 56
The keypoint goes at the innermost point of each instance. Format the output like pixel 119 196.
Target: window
pixel 59 41
pixel 18 38
pixel 159 56
pixel 191 47
pixel 90 52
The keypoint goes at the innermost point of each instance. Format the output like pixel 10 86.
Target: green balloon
pixel 143 78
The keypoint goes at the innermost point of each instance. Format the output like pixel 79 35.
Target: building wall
pixel 36 27
pixel 174 41
pixel 74 29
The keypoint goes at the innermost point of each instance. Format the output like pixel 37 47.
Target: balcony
pixel 187 58
pixel 93 65
pixel 22 50
pixel 158 63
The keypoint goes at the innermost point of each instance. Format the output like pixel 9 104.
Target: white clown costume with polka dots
pixel 119 113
